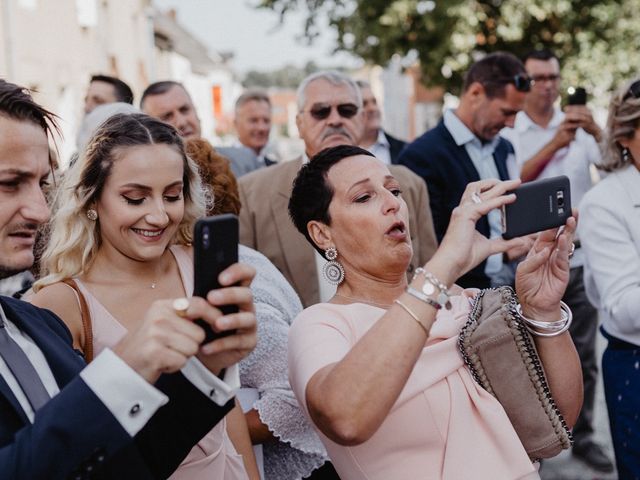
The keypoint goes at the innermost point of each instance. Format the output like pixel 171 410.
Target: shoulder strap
pixel 86 320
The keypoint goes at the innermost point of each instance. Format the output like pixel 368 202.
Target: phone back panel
pixel 539 205
pixel 215 247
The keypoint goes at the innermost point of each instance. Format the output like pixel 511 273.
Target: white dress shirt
pixel 574 160
pixel 610 230
pixel 128 396
pixel 381 148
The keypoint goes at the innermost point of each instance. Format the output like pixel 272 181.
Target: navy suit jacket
pixel 75 436
pixel 395 147
pixel 447 169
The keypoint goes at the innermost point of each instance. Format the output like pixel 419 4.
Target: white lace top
pixel 299 450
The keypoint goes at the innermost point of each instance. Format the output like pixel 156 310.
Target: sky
pixel 254 36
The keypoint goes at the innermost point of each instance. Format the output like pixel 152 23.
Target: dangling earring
pixel 332 271
pixel 626 155
pixel 92 215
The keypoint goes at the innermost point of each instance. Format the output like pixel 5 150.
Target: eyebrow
pixel 138 186
pixel 365 180
pixel 17 172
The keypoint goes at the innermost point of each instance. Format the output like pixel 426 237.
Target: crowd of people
pixel 359 262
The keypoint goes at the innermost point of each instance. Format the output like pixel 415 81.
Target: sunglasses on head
pixel 634 91
pixel 521 81
pixel 345 110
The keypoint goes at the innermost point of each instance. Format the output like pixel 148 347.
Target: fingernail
pixel 224 278
pixel 223 322
pixel 207 349
pixel 215 296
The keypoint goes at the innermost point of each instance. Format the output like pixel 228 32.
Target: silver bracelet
pixel 421 296
pixel 431 283
pixel 549 329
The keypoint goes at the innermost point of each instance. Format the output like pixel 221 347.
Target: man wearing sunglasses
pixel 329 114
pixel 550 142
pixel 465 147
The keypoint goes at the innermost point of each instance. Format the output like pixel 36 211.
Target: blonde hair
pixel 623 121
pixel 75 239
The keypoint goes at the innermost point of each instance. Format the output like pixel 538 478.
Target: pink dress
pixel 442 426
pixel 213 457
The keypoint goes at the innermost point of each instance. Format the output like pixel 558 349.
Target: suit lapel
pixel 65 364
pixel 297 253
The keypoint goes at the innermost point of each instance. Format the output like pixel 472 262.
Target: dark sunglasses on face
pixel 634 91
pixel 521 81
pixel 345 110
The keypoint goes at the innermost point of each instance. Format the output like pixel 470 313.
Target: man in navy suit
pixel 465 147
pixel 379 142
pixel 136 410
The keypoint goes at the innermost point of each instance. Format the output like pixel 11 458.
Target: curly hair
pixel 75 239
pixel 215 171
pixel 623 121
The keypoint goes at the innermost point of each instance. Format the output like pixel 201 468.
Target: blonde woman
pixel 121 230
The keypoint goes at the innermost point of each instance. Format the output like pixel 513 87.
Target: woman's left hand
pixel 542 278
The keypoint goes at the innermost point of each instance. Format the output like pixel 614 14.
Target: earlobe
pixel 320 233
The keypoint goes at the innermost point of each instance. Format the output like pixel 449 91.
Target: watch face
pixel 428 288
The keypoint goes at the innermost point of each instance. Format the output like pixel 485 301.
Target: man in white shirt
pixel 136 410
pixel 384 146
pixel 550 142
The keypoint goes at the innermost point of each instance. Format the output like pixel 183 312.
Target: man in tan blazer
pixel 329 114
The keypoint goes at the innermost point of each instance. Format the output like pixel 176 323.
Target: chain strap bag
pixel 502 357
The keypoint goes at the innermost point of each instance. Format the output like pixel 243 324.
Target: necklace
pixel 384 306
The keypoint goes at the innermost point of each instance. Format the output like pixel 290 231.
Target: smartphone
pixel 215 247
pixel 539 205
pixel 577 96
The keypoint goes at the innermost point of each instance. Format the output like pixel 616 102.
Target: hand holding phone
pixel 540 205
pixel 215 248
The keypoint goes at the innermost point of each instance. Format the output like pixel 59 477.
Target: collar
pixel 630 178
pixel 461 133
pixel 524 122
pixel 382 139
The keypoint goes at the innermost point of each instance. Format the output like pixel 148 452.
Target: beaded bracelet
pixel 549 329
pixel 430 285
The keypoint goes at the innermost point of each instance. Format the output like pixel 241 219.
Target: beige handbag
pixel 502 357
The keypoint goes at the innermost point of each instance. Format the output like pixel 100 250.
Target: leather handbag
pixel 502 357
pixel 87 348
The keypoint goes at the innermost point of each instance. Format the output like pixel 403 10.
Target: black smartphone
pixel 577 96
pixel 215 247
pixel 539 205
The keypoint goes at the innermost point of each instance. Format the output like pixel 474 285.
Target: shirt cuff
pixel 218 390
pixel 129 397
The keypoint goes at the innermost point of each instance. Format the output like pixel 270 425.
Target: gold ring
pixel 181 305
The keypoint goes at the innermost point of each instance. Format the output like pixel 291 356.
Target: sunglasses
pixel 634 91
pixel 345 110
pixel 521 81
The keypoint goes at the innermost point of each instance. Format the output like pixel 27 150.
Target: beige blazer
pixel 265 224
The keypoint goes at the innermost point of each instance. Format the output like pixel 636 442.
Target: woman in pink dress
pixel 122 229
pixel 377 371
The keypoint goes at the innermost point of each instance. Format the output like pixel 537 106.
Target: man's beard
pixel 7 271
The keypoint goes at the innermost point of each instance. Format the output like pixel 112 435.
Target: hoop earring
pixel 92 215
pixel 332 271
